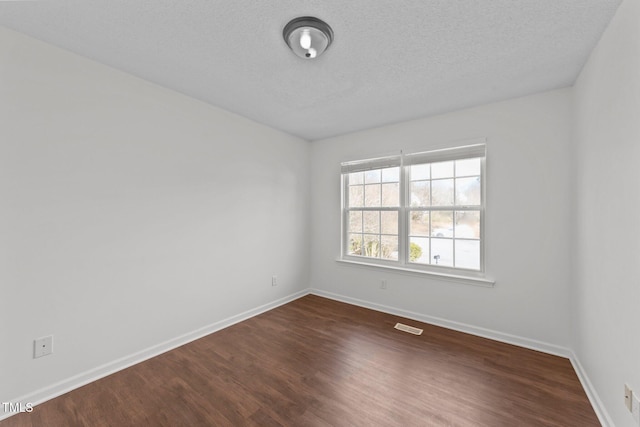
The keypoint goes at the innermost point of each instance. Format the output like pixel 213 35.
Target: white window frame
pixel 475 150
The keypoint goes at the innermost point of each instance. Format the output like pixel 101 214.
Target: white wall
pixel 527 221
pixel 130 214
pixel 607 263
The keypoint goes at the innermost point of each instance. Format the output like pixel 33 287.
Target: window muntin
pixel 425 213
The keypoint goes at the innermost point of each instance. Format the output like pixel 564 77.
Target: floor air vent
pixel 407 328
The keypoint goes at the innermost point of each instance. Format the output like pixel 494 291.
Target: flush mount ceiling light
pixel 307 37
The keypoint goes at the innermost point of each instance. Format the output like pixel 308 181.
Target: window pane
pixel 389 247
pixel 371 222
pixel 390 194
pixel 372 177
pixel 442 252
pixel 442 170
pixel 442 223
pixel 442 192
pixel 355 222
pixel 419 172
pixel 468 191
pixel 356 178
pixel 356 196
pixel 468 224
pixel 419 193
pixel 467 167
pixel 372 195
pixel 355 244
pixel 419 250
pixel 468 254
pixel 371 247
pixel 391 174
pixel 389 222
pixel 419 223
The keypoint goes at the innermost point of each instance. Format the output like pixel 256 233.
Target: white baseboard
pixel 553 349
pixel 596 403
pixel 47 393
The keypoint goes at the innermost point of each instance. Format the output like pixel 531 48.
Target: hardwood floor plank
pixel 318 362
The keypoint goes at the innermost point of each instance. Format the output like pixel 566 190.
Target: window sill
pixel 467 280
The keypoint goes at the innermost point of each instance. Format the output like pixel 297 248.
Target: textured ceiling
pixel 390 60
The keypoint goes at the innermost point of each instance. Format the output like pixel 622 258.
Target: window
pixel 421 211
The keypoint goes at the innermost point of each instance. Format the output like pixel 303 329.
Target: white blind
pixel 369 164
pixel 458 153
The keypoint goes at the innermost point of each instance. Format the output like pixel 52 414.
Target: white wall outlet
pixel 635 407
pixel 627 397
pixel 42 346
pixel 383 284
pixel 274 280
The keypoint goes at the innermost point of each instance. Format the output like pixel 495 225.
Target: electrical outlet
pixel 274 280
pixel 627 397
pixel 383 284
pixel 42 346
pixel 635 407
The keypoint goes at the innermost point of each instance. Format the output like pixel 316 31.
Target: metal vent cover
pixel 409 329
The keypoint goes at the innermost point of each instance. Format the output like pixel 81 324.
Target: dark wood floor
pixel 318 362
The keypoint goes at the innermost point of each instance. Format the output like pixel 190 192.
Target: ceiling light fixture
pixel 307 37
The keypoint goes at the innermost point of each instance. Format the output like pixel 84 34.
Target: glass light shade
pixel 308 37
